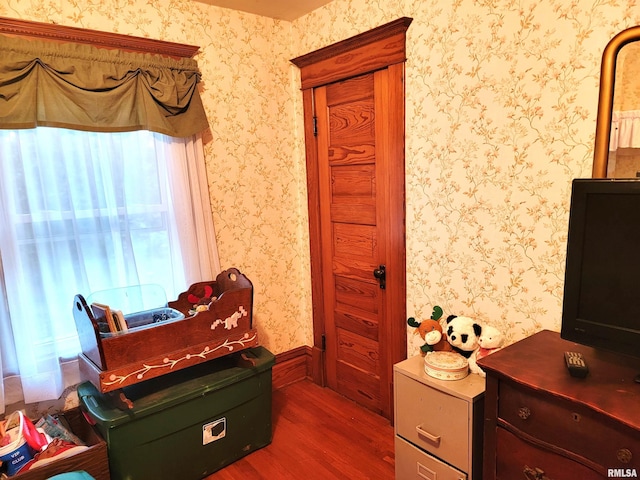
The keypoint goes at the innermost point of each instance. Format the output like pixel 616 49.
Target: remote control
pixel 575 364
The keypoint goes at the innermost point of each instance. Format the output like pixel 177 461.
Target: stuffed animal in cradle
pixel 428 334
pixel 200 304
pixel 463 333
pixel 489 341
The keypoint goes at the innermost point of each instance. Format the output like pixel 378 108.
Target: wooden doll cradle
pixel 112 362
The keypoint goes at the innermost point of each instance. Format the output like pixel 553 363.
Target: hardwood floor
pixel 318 434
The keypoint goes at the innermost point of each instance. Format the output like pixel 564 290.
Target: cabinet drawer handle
pixel 624 455
pixel 534 473
pixel 432 438
pixel 524 413
pixel 426 473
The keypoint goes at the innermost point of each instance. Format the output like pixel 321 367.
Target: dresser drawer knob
pixel 624 455
pixel 524 413
pixel 435 439
pixel 534 473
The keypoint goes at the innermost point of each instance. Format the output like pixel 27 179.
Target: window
pixel 83 212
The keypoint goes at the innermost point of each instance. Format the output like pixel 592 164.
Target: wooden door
pixel 354 124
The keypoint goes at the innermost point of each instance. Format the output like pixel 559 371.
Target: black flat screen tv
pixel 601 306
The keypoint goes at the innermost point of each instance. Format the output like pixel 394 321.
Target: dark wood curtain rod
pixel 50 31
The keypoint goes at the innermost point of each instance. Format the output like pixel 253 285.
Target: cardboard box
pixel 94 460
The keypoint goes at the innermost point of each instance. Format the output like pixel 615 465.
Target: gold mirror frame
pixel 605 100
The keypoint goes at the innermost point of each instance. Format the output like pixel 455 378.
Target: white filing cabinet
pixel 438 424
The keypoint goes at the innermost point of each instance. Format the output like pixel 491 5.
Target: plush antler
pixel 413 322
pixel 208 293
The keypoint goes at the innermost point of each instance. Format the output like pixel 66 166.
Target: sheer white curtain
pixel 85 211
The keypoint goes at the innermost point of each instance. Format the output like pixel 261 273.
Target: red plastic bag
pixel 35 439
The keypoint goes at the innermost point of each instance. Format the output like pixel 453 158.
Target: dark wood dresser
pixel 543 424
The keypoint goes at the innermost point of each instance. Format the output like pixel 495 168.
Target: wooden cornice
pixel 366 52
pixel 384 31
pixel 49 31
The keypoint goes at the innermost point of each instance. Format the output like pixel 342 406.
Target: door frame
pixel 381 47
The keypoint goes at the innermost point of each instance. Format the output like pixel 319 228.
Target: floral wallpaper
pixel 255 163
pixel 501 100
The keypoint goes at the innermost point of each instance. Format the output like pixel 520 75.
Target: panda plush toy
pixel 463 334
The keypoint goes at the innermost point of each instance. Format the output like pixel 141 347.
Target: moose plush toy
pixel 201 304
pixel 428 336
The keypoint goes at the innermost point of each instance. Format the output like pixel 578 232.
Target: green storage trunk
pixel 187 424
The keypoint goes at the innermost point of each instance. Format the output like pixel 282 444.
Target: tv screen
pixel 601 306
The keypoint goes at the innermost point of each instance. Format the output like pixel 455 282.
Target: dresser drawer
pixel 569 426
pixel 517 459
pixel 433 420
pixel 413 463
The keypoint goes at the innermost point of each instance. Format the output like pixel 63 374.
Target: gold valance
pixel 82 87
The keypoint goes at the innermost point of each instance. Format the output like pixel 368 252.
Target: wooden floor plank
pixel 318 434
